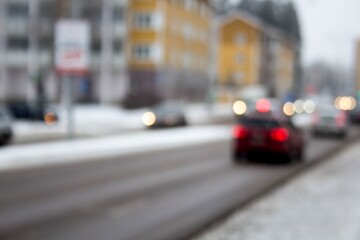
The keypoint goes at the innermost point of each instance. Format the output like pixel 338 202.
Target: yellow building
pixel 239 54
pixel 168 47
pixel 251 53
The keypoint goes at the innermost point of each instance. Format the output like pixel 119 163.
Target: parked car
pixel 165 115
pixel 6 132
pixel 327 120
pixel 267 131
pixel 32 112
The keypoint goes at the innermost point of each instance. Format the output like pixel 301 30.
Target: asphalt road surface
pixel 168 194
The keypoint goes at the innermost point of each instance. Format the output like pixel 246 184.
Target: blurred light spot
pixel 279 134
pixel 353 103
pixel 263 105
pixel 50 118
pixel 337 103
pixel 239 107
pixel 240 132
pixel 309 106
pixel 299 106
pixel 347 103
pixel 149 119
pixel 289 109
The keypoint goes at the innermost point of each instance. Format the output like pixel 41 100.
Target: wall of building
pixel 239 55
pixel 173 41
pixel 29 45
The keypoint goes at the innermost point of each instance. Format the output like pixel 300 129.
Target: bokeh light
pixel 337 103
pixel 289 109
pixel 309 106
pixel 149 119
pixel 239 107
pixel 50 118
pixel 263 105
pixel 299 106
pixel 345 103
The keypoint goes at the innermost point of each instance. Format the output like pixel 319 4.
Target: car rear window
pixel 257 122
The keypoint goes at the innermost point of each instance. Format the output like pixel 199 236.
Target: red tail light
pixel 263 105
pixel 240 132
pixel 279 134
pixel 341 119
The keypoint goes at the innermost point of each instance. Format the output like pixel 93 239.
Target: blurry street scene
pixel 178 119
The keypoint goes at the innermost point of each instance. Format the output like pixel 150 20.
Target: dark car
pixel 267 132
pixel 32 112
pixel 355 114
pixel 6 132
pixel 329 121
pixel 165 115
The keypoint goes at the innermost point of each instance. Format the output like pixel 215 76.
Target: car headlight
pixel 149 119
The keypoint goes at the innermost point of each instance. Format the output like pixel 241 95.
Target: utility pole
pixel 106 68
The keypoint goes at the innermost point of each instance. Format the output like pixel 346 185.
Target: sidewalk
pixel 321 204
pixel 96 120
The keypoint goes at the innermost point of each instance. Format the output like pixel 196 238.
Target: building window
pixel 203 10
pixel 188 4
pixel 119 14
pixel 142 52
pixel 240 39
pixel 240 58
pixel 118 46
pixel 15 43
pixel 47 10
pixel 93 13
pixel 96 46
pixel 18 10
pixel 143 20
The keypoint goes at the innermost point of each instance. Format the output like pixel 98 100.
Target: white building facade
pixel 27 49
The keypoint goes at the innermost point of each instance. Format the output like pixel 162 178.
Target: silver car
pixel 6 132
pixel 330 121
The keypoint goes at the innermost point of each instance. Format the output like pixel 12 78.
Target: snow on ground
pixel 322 204
pixel 15 157
pixel 97 120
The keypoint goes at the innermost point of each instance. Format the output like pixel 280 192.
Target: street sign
pixel 72 57
pixel 72 40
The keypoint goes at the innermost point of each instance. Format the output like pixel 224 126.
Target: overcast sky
pixel 330 29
